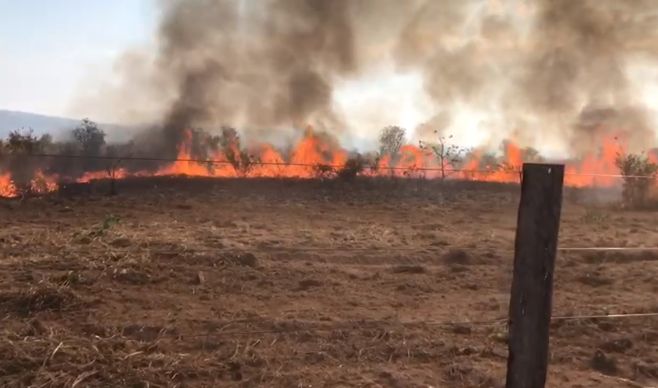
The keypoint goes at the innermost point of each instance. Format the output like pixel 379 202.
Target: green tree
pixel 90 138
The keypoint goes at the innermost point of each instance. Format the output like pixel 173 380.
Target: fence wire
pixel 511 170
pixel 361 325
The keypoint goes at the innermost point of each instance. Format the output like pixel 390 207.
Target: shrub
pixel 323 171
pixel 23 167
pixel 353 167
pixel 239 158
pixel 639 175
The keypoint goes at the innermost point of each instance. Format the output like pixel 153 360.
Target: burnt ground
pixel 198 283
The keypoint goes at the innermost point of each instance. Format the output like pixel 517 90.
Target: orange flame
pixel 313 151
pixel 39 184
pixel 89 176
pixel 42 183
pixel 7 187
pixel 583 174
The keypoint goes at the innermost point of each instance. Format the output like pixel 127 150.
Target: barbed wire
pixel 508 170
pixel 361 325
pixel 338 249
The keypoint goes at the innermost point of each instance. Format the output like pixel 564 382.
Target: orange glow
pixel 183 166
pixel 272 165
pixel 602 164
pixel 506 172
pixel 7 187
pixel 315 156
pixel 42 184
pixel 653 157
pixel 39 184
pixel 97 175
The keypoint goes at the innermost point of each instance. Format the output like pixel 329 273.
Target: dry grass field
pixel 250 283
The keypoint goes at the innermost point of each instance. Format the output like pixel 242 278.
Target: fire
pixel 184 165
pixel 317 156
pixel 42 183
pixel 596 170
pixel 506 172
pixel 39 184
pixel 7 187
pixel 311 152
pixel 89 176
pixel 272 163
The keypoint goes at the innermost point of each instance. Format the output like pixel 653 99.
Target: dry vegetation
pixel 297 284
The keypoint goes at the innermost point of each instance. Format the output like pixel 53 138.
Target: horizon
pixel 51 49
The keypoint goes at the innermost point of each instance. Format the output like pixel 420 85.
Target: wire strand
pixel 359 325
pixel 512 170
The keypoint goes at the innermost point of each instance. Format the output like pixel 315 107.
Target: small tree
pixel 239 158
pixel 90 138
pixel 391 140
pixel 446 153
pixel 19 147
pixel 639 174
pixel 22 143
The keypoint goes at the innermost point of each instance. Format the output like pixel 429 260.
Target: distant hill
pixel 58 127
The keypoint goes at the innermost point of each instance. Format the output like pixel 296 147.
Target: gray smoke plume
pixel 543 65
pixel 579 63
pixel 537 70
pixel 261 64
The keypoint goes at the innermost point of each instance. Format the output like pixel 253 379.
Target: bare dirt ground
pixel 308 284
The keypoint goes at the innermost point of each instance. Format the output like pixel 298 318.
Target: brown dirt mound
pixel 37 299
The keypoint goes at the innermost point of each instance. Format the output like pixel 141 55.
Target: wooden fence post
pixel 532 284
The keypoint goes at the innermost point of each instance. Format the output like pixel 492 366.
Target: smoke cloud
pixel 255 64
pixel 578 65
pixel 544 70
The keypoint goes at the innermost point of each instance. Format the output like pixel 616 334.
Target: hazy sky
pixel 48 47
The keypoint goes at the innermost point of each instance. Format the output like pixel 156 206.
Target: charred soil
pixel 249 283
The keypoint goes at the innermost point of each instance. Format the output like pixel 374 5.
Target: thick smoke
pixel 538 71
pixel 578 64
pixel 257 64
pixel 541 68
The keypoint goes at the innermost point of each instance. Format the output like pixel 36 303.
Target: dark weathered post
pixel 532 285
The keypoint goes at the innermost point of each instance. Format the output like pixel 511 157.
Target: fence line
pixel 359 325
pixel 366 249
pixel 513 170
pixel 567 249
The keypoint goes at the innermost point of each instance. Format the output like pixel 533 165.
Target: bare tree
pixel 446 153
pixel 391 140
pixel 239 158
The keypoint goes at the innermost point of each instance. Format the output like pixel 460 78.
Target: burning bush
pixel 323 171
pixel 353 167
pixel 639 174
pixel 240 159
pixel 25 172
